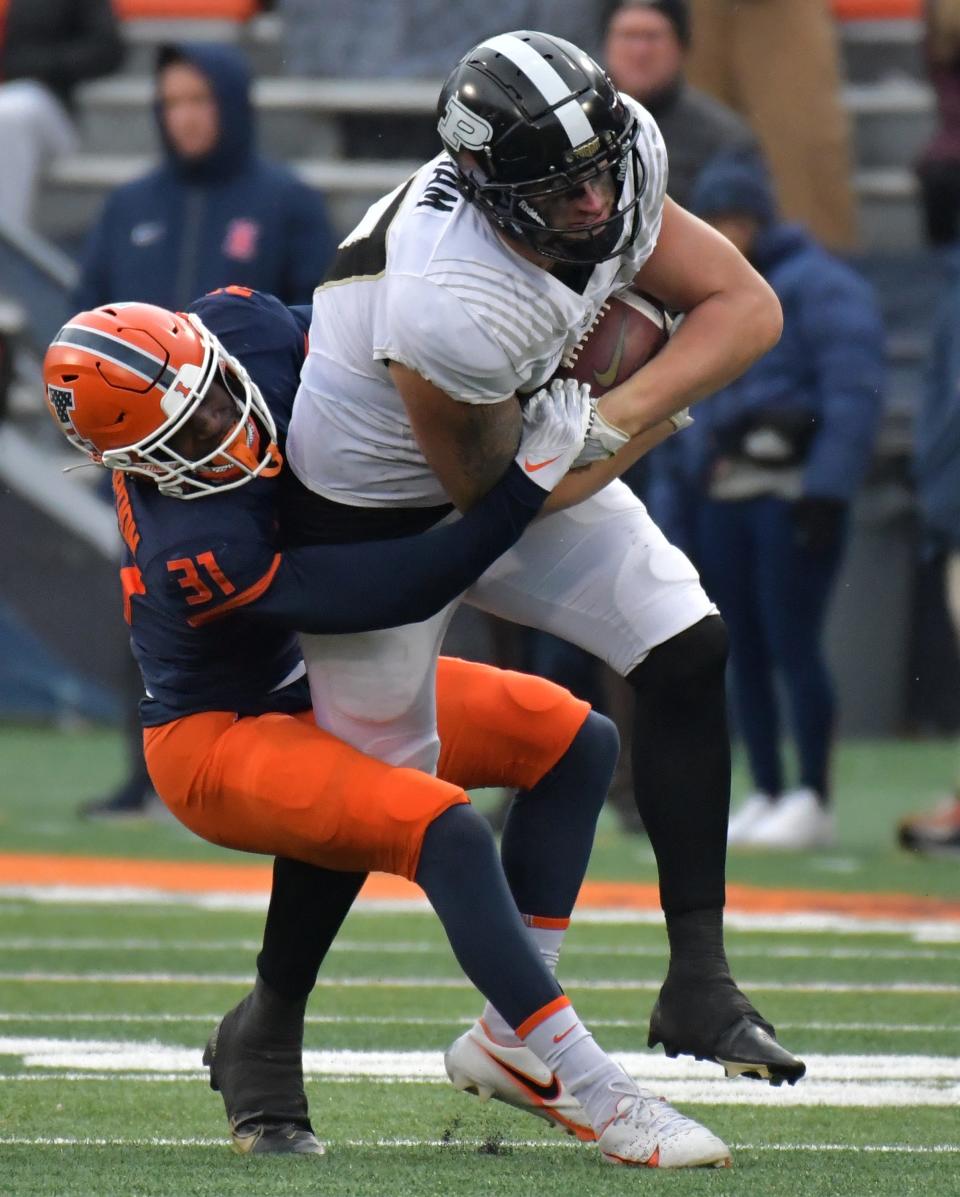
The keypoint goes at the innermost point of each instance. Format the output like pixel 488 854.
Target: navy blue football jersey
pixel 214 605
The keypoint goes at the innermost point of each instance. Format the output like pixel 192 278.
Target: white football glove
pixel 554 425
pixel 604 438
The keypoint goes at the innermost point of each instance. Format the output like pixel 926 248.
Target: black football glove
pixel 818 522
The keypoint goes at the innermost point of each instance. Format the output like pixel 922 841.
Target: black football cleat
pixel 712 1020
pixel 261 1083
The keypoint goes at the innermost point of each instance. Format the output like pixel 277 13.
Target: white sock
pixel 558 1038
pixel 548 935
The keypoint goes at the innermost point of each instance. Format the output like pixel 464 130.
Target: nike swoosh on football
pixel 605 378
pixel 532 466
pixel 546 1092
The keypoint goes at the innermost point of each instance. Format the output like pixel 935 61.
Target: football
pixel 626 334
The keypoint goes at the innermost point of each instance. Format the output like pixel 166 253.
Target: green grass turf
pixel 461 1146
pixel 44 775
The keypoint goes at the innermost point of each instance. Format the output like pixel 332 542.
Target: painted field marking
pixel 922 928
pixel 37 976
pixel 452 1020
pixel 565 1144
pixel 40 943
pixel 834 1080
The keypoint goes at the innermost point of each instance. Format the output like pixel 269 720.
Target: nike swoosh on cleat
pixel 546 1092
pixel 532 466
pixel 605 378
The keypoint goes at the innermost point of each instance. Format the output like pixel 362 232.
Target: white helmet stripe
pixel 549 83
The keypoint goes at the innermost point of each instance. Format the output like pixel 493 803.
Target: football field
pixel 110 984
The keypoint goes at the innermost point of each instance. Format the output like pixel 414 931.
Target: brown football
pixel 626 334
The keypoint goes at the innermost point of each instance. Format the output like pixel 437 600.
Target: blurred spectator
pixel 758 491
pixel 47 47
pixel 215 211
pixel 777 63
pixel 646 48
pixel 936 470
pixel 418 39
pixel 381 39
pixel 938 167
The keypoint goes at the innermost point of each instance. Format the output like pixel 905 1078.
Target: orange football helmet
pixel 122 380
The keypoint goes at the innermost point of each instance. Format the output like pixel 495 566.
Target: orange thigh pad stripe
pixel 279 785
pixel 499 727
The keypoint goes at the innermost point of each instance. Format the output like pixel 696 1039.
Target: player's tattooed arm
pixel 468 446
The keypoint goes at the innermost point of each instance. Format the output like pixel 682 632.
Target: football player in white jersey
pixel 454 298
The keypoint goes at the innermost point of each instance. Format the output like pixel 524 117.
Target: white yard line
pixel 438 948
pixel 39 976
pixel 452 1020
pixel 924 929
pixel 517 1144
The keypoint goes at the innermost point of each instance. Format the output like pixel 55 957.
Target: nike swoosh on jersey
pixel 546 1092
pixel 532 466
pixel 605 378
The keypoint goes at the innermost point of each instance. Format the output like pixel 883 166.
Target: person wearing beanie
pixel 646 47
pixel 759 491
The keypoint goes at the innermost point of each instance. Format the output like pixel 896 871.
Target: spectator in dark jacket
pixel 214 212
pixel 759 488
pixel 646 48
pixel 47 47
pixel 936 470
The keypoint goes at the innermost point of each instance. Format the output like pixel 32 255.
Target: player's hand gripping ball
pixel 629 330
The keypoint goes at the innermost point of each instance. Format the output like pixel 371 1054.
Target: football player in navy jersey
pixel 214 601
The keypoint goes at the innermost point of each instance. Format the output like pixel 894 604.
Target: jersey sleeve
pixel 382 584
pixel 206 577
pixel 429 329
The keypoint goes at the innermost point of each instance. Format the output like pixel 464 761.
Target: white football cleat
pixel 648 1132
pixel 797 823
pixel 475 1063
pixel 747 818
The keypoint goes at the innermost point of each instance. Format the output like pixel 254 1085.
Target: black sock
pixel 548 833
pixel 307 907
pixel 461 875
pixel 681 764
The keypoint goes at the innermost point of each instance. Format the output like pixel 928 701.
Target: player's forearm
pixel 716 342
pixel 382 584
pixel 581 483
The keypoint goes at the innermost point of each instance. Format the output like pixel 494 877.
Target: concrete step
pixel 76 185
pixel 889 210
pixel 892 120
pixel 875 50
pixel 261 39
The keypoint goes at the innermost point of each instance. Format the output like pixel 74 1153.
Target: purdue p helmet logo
pixel 462 129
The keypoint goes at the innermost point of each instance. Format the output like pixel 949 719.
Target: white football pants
pixel 601 575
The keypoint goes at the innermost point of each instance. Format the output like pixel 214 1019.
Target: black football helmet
pixel 526 116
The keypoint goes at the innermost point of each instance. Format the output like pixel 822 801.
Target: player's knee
pixel 693 657
pixel 457 835
pixel 595 747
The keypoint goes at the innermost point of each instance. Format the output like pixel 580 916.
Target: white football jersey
pixel 426 280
